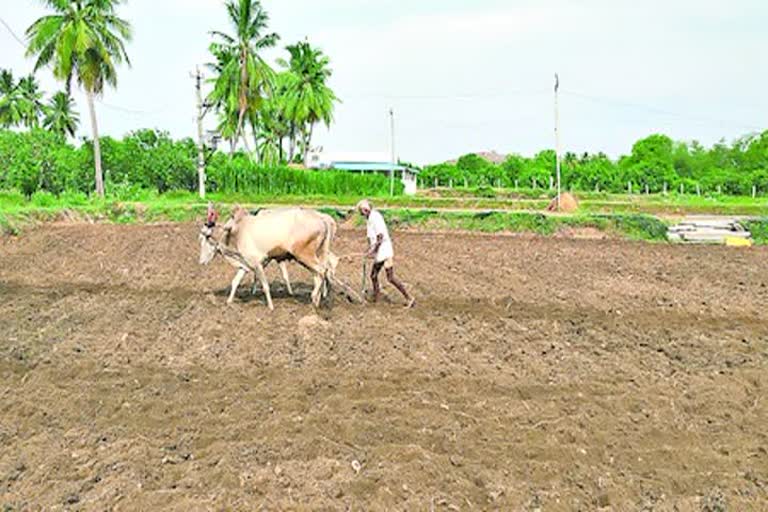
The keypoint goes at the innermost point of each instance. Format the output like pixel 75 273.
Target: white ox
pixel 283 264
pixel 249 242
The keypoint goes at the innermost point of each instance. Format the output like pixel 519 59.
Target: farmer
pixel 381 252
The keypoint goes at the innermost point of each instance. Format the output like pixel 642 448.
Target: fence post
pixel 719 189
pixel 534 183
pixel 516 184
pixel 597 187
pixel 465 182
pixel 629 188
pixel 682 189
pixel 435 183
pixel 647 190
pixel 698 189
pixel 754 191
pixel 450 183
pixel 551 183
pixel 665 188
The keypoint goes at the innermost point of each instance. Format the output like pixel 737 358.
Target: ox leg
pixel 235 284
pixel 330 273
pixel 256 280
pixel 265 286
pixel 317 292
pixel 284 271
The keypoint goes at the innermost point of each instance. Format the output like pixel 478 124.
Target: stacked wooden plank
pixel 708 230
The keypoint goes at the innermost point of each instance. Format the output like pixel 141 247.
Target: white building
pixel 365 162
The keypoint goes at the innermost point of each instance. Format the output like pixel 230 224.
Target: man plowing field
pixel 382 252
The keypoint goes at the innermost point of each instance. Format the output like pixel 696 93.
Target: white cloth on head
pixel 376 227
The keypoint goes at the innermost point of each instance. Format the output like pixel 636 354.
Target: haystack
pixel 568 203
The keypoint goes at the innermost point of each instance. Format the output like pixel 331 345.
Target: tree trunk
pixel 96 145
pixel 292 144
pixel 280 148
pixel 240 132
pixel 307 144
pixel 256 141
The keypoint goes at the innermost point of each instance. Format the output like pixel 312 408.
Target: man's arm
pixel 374 250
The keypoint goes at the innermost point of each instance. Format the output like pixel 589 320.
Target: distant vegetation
pixel 41 161
pixel 655 162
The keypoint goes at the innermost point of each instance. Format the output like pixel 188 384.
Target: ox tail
pixel 324 248
pixel 326 257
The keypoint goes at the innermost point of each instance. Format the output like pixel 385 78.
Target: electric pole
pixel 392 151
pixel 557 136
pixel 200 142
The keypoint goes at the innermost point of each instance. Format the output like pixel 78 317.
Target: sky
pixel 463 75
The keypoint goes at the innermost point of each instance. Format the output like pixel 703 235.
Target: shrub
pixel 11 198
pixel 43 199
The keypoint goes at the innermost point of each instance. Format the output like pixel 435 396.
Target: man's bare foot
pixel 411 304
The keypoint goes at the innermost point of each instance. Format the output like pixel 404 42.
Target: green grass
pixel 628 216
pixel 531 201
pixel 602 202
pixel 759 230
pixel 633 226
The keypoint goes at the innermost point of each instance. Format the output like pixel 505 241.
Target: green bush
pixel 43 199
pixel 485 191
pixel 131 192
pixel 759 229
pixel 10 198
pixel 73 198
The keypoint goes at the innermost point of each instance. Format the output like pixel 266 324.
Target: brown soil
pixel 534 374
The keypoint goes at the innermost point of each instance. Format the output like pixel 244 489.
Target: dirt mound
pixel 311 324
pixel 568 203
pixel 536 374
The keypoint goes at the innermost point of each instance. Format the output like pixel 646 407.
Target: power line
pixel 130 110
pixel 656 110
pixel 17 38
pixel 468 96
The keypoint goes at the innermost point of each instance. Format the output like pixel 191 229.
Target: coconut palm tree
pixel 60 116
pixel 273 123
pixel 311 100
pixel 10 100
pixel 31 101
pixel 243 77
pixel 82 40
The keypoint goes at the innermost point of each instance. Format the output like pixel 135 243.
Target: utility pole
pixel 200 142
pixel 392 151
pixel 557 136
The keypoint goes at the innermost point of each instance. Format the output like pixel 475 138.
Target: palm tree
pixel 311 100
pixel 274 124
pixel 243 76
pixel 10 100
pixel 82 40
pixel 30 101
pixel 60 115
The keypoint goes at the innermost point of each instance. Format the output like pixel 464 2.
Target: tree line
pixel 656 164
pixel 150 161
pixel 22 105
